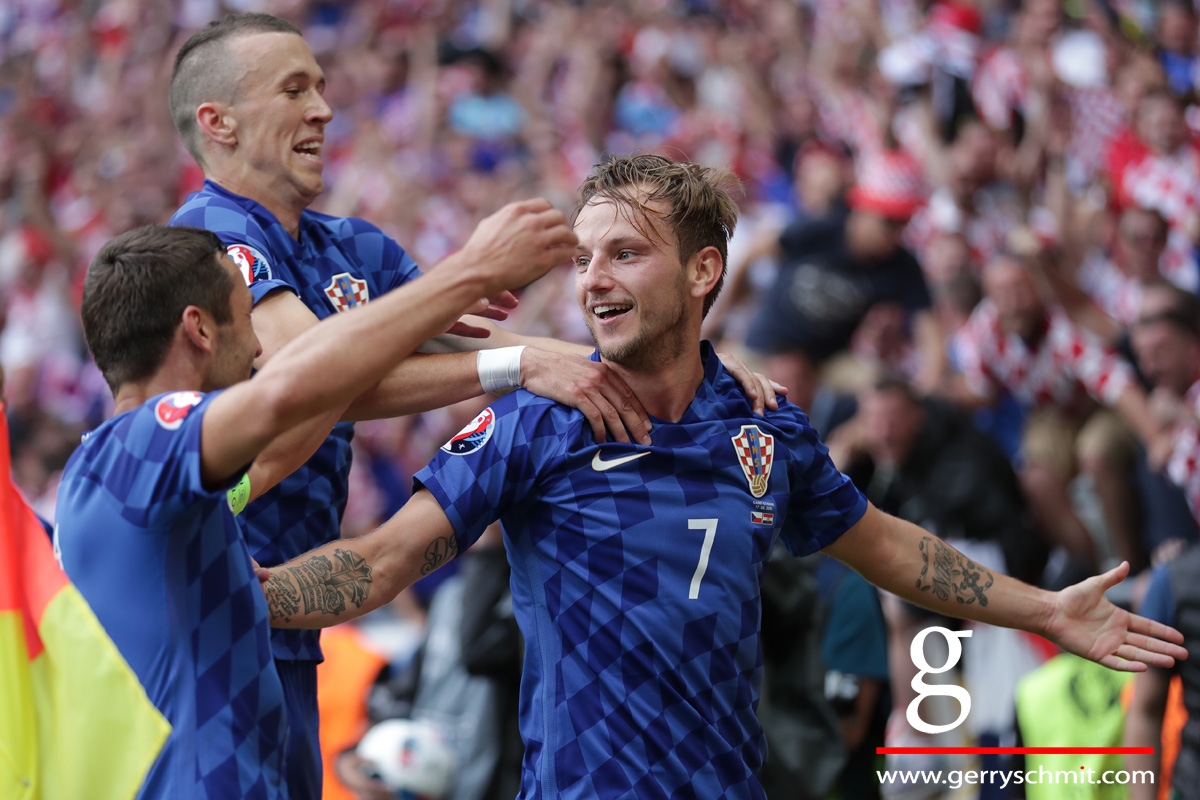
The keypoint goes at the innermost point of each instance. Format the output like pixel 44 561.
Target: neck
pixel 288 213
pixel 666 390
pixel 175 375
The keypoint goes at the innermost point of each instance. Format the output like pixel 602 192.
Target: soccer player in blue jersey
pixel 145 528
pixel 635 568
pixel 247 99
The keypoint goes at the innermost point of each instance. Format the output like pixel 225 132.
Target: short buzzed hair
pixel 703 211
pixel 204 71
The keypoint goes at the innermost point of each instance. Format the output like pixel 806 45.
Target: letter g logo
pixel 923 689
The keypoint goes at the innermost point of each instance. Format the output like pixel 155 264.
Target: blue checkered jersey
pixel 164 564
pixel 336 264
pixel 635 579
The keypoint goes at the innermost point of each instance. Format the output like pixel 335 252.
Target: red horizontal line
pixel 1003 751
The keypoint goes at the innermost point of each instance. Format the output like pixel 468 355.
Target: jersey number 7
pixel 709 526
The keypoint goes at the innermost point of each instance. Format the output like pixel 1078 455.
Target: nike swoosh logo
pixel 600 466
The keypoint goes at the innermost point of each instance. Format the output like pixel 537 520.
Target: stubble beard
pixel 657 343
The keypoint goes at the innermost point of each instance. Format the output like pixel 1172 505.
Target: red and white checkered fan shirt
pixel 1066 366
pixel 1001 88
pixel 1171 186
pixel 1183 467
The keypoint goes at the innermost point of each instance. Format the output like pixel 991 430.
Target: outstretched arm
pixel 916 565
pixel 347 578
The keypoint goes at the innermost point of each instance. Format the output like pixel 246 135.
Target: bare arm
pixel 347 578
pixel 328 365
pixel 1143 727
pixel 916 565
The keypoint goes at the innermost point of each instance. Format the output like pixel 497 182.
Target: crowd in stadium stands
pixel 954 210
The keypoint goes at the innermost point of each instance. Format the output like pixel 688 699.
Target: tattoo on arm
pixel 318 585
pixel 440 550
pixel 948 573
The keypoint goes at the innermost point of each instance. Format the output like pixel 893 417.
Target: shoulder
pixel 219 213
pixel 538 417
pixel 346 229
pixel 365 241
pixel 143 437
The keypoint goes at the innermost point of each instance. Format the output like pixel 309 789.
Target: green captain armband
pixel 239 495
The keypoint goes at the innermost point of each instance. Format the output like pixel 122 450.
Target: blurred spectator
pixel 835 270
pixel 1172 599
pixel 925 462
pixel 1166 340
pixel 1058 371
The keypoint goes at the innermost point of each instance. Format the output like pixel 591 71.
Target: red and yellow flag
pixel 74 720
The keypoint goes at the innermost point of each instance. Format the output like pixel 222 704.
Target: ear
pixel 200 329
pixel 216 123
pixel 707 268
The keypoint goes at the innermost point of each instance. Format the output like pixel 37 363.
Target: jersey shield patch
pixel 171 411
pixel 249 262
pixel 346 291
pixel 755 452
pixel 474 436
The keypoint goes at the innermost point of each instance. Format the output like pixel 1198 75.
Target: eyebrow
pixel 300 74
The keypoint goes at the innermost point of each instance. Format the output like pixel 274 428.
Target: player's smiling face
pixel 280 113
pixel 630 285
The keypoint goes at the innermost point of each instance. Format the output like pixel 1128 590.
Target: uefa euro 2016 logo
pixel 923 689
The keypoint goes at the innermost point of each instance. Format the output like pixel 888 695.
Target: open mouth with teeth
pixel 610 311
pixel 310 149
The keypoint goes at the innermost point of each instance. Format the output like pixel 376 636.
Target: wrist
pixel 499 368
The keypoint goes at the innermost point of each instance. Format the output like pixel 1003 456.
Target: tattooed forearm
pixel 948 573
pixel 282 597
pixel 318 585
pixel 440 550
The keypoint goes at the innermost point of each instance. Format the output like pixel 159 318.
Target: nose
pixel 596 277
pixel 319 111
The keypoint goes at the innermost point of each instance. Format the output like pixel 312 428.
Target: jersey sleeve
pixel 823 503
pixel 246 242
pixel 492 464
pixel 260 290
pixel 156 467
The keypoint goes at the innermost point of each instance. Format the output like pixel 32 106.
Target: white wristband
pixel 499 368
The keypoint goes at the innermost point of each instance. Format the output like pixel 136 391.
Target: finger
pixel 768 393
pixel 559 236
pixel 778 388
pixel 1155 645
pixel 594 417
pixel 468 331
pixel 548 218
pixel 1114 663
pixel 1114 576
pixel 493 312
pixel 740 373
pixel 1131 653
pixel 1157 630
pixel 632 415
pixel 505 299
pixel 612 420
pixel 532 205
